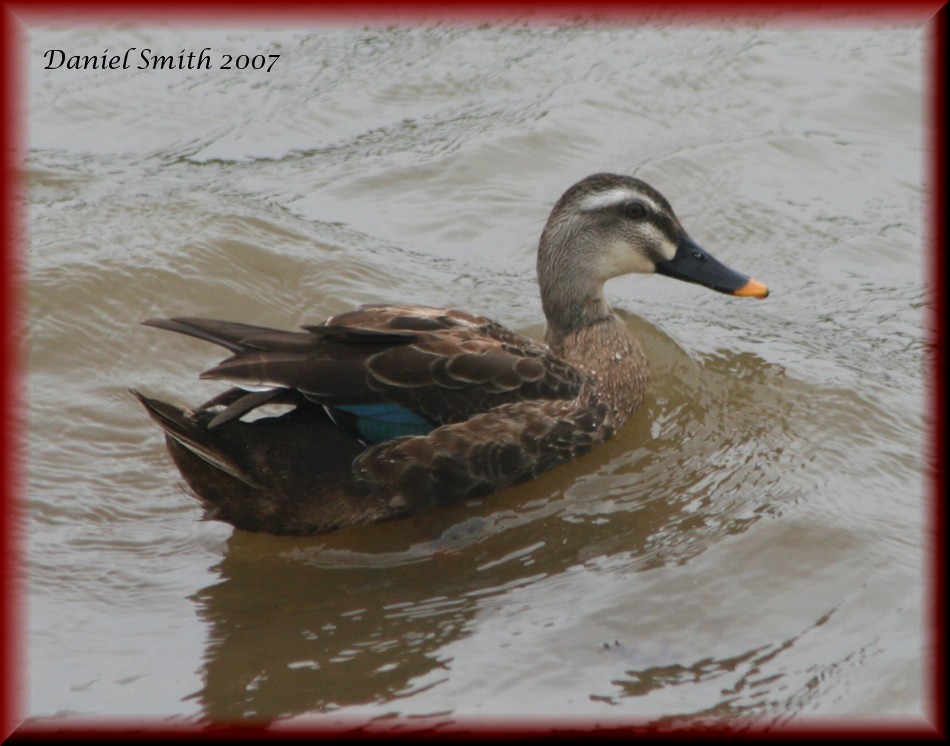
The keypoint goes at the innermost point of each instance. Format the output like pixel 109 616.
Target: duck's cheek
pixel 623 258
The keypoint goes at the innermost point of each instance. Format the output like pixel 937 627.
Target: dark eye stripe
pixel 669 226
pixel 635 210
pixel 664 222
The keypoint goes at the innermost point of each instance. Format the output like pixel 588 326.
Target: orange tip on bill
pixel 753 289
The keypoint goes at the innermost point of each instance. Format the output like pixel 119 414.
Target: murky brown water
pixel 750 546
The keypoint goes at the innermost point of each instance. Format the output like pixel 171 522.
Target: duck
pixel 386 410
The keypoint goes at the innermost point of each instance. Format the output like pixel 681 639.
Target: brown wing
pixel 444 365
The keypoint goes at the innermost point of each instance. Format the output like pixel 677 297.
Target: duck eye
pixel 634 210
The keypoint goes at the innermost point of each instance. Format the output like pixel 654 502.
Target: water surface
pixel 750 546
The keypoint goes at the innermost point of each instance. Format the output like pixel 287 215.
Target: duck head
pixel 609 225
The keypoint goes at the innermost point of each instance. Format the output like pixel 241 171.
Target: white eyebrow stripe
pixel 612 197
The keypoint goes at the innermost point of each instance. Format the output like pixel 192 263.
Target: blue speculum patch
pixel 379 422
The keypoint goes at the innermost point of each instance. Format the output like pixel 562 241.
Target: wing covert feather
pixel 444 365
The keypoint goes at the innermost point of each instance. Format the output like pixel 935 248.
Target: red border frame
pixel 15 16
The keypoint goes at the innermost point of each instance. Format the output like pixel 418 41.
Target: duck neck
pixel 571 280
pixel 571 305
pixel 613 362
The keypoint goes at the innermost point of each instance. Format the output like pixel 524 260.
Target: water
pixel 750 548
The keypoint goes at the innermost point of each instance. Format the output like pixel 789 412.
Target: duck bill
pixel 692 263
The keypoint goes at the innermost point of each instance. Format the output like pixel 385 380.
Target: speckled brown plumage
pixel 484 407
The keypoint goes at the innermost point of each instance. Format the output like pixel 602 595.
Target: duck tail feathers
pixel 180 426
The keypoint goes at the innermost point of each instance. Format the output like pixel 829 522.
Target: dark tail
pixel 182 427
